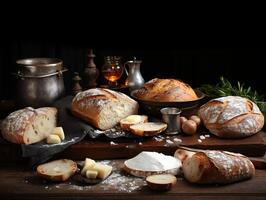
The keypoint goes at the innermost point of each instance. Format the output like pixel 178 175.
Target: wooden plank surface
pixel 106 149
pixel 251 146
pixel 17 182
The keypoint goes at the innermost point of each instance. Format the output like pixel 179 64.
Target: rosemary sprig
pixel 225 88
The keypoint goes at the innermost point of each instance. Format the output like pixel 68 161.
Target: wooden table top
pixel 17 182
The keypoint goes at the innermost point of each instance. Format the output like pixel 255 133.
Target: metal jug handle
pixel 125 67
pixel 126 63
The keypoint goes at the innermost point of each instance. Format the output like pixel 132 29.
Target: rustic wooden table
pixel 17 182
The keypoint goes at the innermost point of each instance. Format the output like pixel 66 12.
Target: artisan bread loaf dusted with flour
pixel 166 90
pixel 103 108
pixel 232 117
pixel 29 125
pixel 222 167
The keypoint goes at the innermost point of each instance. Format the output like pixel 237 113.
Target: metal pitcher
pixel 39 81
pixel 134 79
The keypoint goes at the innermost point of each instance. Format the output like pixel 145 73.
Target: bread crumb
pixel 113 143
pixel 199 140
pixel 98 131
pixel 202 137
pixel 207 135
pixel 177 140
pixel 169 142
pixel 158 139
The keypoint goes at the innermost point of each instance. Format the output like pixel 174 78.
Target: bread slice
pixel 57 170
pixel 29 125
pixel 131 120
pixel 149 163
pixel 161 181
pixel 148 128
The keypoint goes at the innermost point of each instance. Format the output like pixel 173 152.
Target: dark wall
pixel 193 65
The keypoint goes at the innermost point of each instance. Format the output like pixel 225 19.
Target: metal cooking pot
pixel 40 81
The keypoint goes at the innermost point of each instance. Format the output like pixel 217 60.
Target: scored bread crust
pixel 138 129
pixel 166 90
pixel 63 176
pixel 15 126
pixel 91 106
pixel 232 117
pixel 217 167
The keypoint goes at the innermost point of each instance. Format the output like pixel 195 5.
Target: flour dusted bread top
pixel 29 125
pixel 232 117
pixel 166 90
pixel 103 108
pixel 217 167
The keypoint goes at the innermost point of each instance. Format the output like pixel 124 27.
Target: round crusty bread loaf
pixel 231 117
pixel 29 125
pixel 166 90
pixel 103 108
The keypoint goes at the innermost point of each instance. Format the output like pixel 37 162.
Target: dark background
pixel 193 65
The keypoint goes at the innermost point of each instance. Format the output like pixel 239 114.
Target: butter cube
pixel 88 165
pixel 53 139
pixel 103 170
pixel 60 132
pixel 91 174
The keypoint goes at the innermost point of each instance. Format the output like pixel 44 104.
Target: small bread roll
pixel 189 127
pixel 196 119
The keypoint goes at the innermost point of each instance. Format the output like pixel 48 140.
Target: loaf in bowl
pixel 160 93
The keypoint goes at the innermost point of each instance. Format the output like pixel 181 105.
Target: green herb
pixel 225 88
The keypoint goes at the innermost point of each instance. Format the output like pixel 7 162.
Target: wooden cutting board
pixel 97 149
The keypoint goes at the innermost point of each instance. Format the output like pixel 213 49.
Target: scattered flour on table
pixel 115 182
pixel 122 183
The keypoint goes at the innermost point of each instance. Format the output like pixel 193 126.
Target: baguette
pixel 148 128
pixel 221 167
pixel 58 170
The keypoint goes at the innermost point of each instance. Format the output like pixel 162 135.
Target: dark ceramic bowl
pixel 153 107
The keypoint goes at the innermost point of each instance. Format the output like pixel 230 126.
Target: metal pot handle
pixel 59 73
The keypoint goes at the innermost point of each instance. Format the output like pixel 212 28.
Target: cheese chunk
pixel 60 132
pixel 91 174
pixel 53 139
pixel 88 165
pixel 103 170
